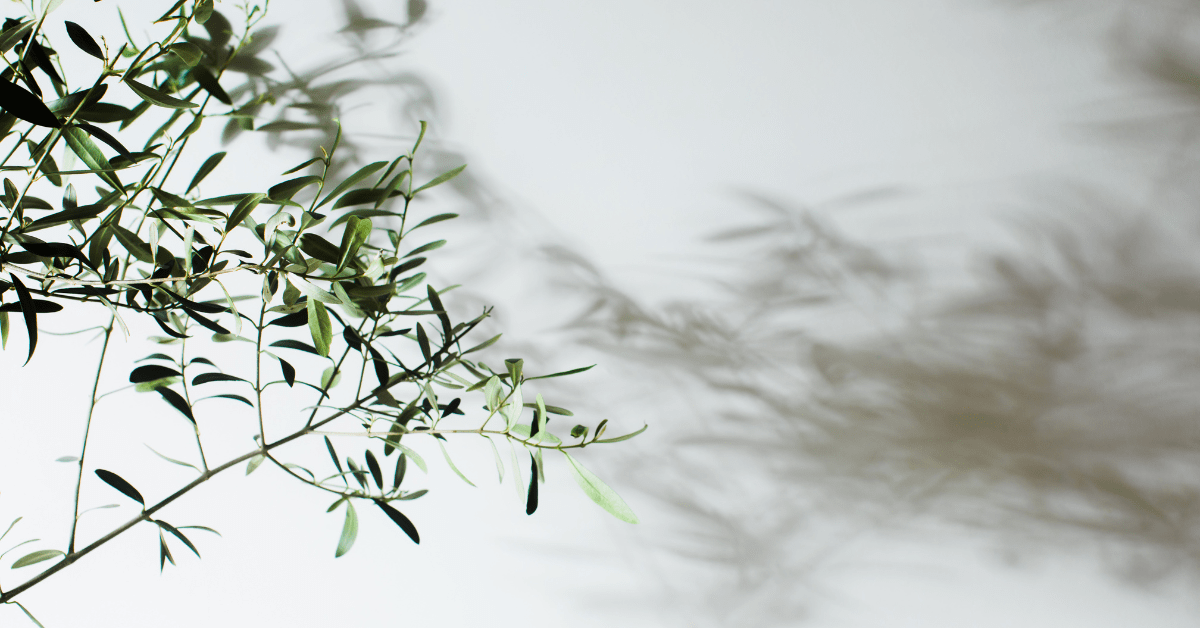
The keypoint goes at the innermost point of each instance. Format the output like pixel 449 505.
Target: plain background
pixel 625 132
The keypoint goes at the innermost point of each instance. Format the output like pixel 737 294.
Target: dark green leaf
pixel 302 166
pixel 179 535
pixel 56 249
pixel 433 219
pixel 233 397
pixel 289 372
pixel 28 312
pixel 531 501
pixel 117 482
pixel 373 467
pixel 210 84
pixel 425 248
pixel 295 344
pixel 187 52
pixel 423 341
pixel 104 136
pixel 333 455
pixel 243 209
pixel 401 466
pixel 381 366
pixel 400 520
pixel 560 374
pixel 295 319
pixel 176 401
pixel 150 373
pixel 209 165
pixel 315 246
pixel 103 112
pixel 157 97
pixel 436 303
pixel 361 174
pixel 164 553
pixel 286 190
pixel 83 40
pixel 39 306
pixel 364 195
pixel 205 378
pixel 83 146
pixel 24 105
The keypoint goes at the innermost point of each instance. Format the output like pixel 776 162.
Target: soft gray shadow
pixel 1048 405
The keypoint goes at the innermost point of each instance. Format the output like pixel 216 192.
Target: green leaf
pixel 399 519
pixel 425 248
pixel 319 326
pixel 150 373
pixel 209 165
pixel 355 235
pixel 187 52
pixel 599 492
pixel 450 462
pixel 28 614
pixel 373 467
pixel 440 179
pixel 560 374
pixel 179 535
pixel 36 557
pixel 117 482
pixel 176 401
pixel 401 467
pixel 243 209
pixel 209 83
pixel 433 219
pixel 3 329
pixel 205 378
pixel 416 458
pixel 172 460
pixel 157 97
pixel 359 175
pixel 23 104
pixel 302 166
pixel 492 394
pixel 28 312
pixel 618 439
pixel 286 190
pixel 349 531
pixel 83 40
pixel 133 244
pixel 233 397
pixel 253 464
pixel 295 344
pixel 204 10
pixel 83 146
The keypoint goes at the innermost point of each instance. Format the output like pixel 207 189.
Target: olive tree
pixel 262 296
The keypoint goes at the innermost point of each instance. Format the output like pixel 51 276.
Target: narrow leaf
pixel 151 372
pixel 599 492
pixel 27 312
pixel 179 535
pixel 171 460
pixel 25 105
pixel 319 327
pixel 349 531
pixel 35 557
pixel 176 401
pixel 450 462
pixel 207 167
pixel 210 84
pixel 215 377
pixel 400 520
pixel 80 37
pixel 373 467
pixel 157 97
pixel 361 174
pixel 117 482
pixel 442 178
pixel 531 502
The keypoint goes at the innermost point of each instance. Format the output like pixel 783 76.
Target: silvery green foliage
pixel 322 275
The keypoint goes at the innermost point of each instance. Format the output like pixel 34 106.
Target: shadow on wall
pixel 1051 404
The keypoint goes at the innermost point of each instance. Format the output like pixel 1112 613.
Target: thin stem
pixel 87 428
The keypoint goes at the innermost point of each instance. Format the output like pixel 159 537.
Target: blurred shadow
pixel 1049 404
